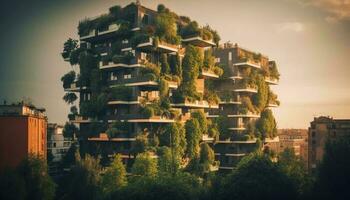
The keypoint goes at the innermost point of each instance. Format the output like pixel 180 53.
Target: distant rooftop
pixel 21 109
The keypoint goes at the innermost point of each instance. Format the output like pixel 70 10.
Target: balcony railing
pixel 245 88
pixel 195 104
pixel 136 81
pixel 197 40
pixel 111 28
pixel 209 73
pixel 272 81
pixel 91 34
pixel 247 62
pixel 139 118
pixel 247 115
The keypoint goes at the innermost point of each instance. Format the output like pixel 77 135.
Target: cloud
pixel 290 26
pixel 338 10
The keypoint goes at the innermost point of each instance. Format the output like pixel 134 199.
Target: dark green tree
pixel 165 68
pixel 256 177
pixel 114 177
pixel 193 137
pixel 145 165
pixel 266 124
pixel 70 97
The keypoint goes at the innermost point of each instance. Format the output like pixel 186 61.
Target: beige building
pixel 320 130
pixel 296 139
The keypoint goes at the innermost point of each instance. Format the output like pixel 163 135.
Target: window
pixel 54 144
pixel 313 133
pixel 113 76
pixel 145 19
pixel 217 60
pixel 125 41
pixel 127 76
pixel 229 56
pixel 115 111
pixel 143 56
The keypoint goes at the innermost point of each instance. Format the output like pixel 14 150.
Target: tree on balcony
pixel 118 128
pixel 68 79
pixel 141 143
pixel 175 65
pixel 223 125
pixel 121 93
pixel 166 28
pixel 165 68
pixel 193 137
pixel 96 107
pixel 70 130
pixel 274 71
pixel 266 125
pixel 85 26
pixel 260 99
pixel 69 46
pixel 70 97
pixel 200 116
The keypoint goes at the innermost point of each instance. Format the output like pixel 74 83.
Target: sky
pixel 309 40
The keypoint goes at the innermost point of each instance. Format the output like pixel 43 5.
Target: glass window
pixel 229 56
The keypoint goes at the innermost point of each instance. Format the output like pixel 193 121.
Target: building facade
pixel 138 74
pixel 22 132
pixel 322 129
pixel 245 94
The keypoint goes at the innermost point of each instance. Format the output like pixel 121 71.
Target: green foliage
pixel 12 185
pixel 174 136
pixel 247 103
pixel 114 177
pixel 223 126
pixel 84 27
pixel 145 165
pixel 166 187
pixel 191 29
pixel 141 144
pixel 38 184
pixel 333 176
pixel 69 46
pixel 148 111
pixel 175 65
pixel 69 158
pixel 84 179
pixel 125 58
pixel 193 137
pixel 294 168
pixel 163 88
pixel 70 130
pixel 260 99
pixel 68 79
pixel 121 93
pixel 274 71
pixel 256 177
pixel 166 28
pixel 202 119
pixel 165 68
pixel 161 8
pixel 191 64
pixel 117 128
pixel 87 62
pixel 266 125
pixel 70 97
pixel 115 11
pixel 96 107
pixel 166 161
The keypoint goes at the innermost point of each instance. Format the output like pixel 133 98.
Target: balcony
pixel 235 154
pixel 74 87
pixel 247 63
pixel 111 65
pixel 206 138
pixel 139 118
pixel 135 100
pixel 81 120
pixel 136 81
pixel 271 81
pixel 246 115
pixel 91 34
pixel 208 73
pixel 110 29
pixel 241 87
pixel 197 40
pixel 103 137
pixel 236 75
pixel 195 104
pixel 239 128
pixel 161 46
pixel 231 100
pixel 236 142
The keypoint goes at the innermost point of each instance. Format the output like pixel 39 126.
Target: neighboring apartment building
pixel 296 139
pixel 57 147
pixel 247 75
pixel 138 93
pixel 57 144
pixel 22 132
pixel 322 129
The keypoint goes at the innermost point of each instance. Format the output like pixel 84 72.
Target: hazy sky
pixel 309 39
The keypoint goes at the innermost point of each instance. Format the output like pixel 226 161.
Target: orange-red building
pixel 22 132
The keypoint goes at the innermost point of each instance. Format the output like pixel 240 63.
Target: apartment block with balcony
pixel 132 80
pixel 245 97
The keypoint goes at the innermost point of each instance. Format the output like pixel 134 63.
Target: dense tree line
pixel 255 177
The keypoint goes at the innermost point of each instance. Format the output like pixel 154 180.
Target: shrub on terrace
pixel 121 93
pixel 103 21
pixel 87 62
pixel 96 107
pixel 202 119
pixel 247 103
pixel 118 127
pixel 85 26
pixel 166 28
pixel 175 65
pixel 191 29
pixel 207 157
pixel 223 126
pixel 115 11
pixel 211 97
pixel 165 68
pixel 174 136
pixel 163 88
pixel 274 71
pixel 68 79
